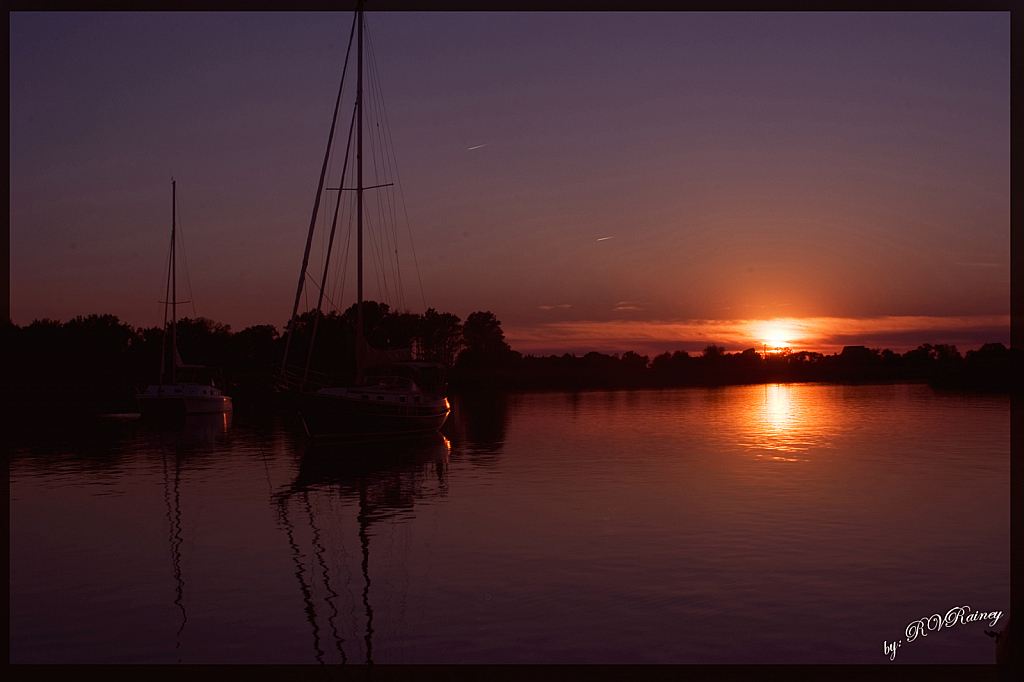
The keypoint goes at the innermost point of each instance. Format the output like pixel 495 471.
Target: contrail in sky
pixel 601 239
pixel 476 147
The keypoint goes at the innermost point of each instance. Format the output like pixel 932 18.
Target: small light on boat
pixel 447 405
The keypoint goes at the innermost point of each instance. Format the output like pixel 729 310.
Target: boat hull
pixel 327 416
pixel 189 400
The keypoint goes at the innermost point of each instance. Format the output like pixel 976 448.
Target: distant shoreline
pixel 97 364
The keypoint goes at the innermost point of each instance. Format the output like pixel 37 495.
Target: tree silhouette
pixel 713 352
pixel 482 333
pixel 439 337
pixel 486 358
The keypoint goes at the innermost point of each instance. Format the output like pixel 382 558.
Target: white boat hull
pixel 183 399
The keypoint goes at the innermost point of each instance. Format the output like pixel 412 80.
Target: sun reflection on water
pixel 785 421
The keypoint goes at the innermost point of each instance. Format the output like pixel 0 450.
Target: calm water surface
pixel 764 524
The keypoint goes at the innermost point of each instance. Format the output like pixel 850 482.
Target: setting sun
pixel 776 337
pixel 773 333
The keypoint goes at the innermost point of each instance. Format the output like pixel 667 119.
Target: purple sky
pixel 598 181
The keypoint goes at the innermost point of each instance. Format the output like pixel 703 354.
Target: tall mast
pixel 330 246
pixel 166 302
pixel 174 286
pixel 359 181
pixel 316 208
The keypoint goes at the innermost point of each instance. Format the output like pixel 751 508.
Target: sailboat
pixel 393 395
pixel 185 389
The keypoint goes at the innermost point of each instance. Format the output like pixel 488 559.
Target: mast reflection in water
pixel 175 437
pixel 799 523
pixel 173 498
pixel 383 481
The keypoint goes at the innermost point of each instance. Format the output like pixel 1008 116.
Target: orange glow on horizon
pixel 818 334
pixel 775 334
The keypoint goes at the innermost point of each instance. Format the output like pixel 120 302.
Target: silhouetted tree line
pixel 993 367
pixel 97 363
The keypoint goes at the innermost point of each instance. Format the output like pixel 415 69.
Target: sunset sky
pixel 608 182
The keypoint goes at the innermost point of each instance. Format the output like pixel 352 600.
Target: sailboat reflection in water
pixel 176 539
pixel 373 483
pixel 392 395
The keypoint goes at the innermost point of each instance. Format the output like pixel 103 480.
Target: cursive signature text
pixel 958 615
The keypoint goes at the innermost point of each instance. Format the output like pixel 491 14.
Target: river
pixel 799 523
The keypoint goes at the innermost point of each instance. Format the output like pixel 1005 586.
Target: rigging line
pixel 331 285
pixel 322 215
pixel 353 217
pixel 386 145
pixel 405 209
pixel 167 302
pixel 184 256
pixel 396 269
pixel 383 250
pixel 386 150
pixel 327 256
pixel 343 275
pixel 349 244
pixel 167 280
pixel 331 274
pixel 382 294
pixel 316 203
pixel 393 261
pixel 374 87
pixel 313 282
pixel 328 182
pixel 378 262
pixel 386 202
pixel 387 262
pixel 345 210
pixel 337 206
